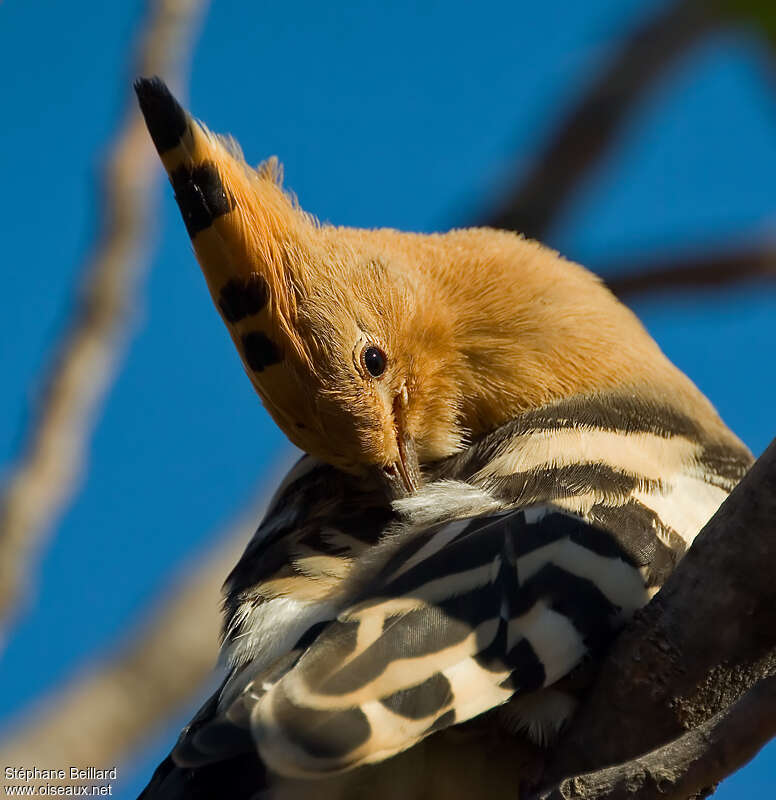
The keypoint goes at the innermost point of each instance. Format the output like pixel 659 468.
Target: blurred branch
pixel 45 478
pixel 704 641
pixel 760 14
pixel 101 715
pixel 690 765
pixel 696 272
pixel 589 129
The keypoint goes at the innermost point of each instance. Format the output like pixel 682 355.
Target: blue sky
pixel 403 114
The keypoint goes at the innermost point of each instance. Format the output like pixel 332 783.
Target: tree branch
pixel 689 766
pixel 706 638
pixel 712 272
pixel 48 470
pixel 590 127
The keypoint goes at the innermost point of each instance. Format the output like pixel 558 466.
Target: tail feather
pixel 238 778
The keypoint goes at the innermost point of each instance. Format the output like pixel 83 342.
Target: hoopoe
pixel 501 468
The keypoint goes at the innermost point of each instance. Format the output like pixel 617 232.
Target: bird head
pixel 319 316
pixel 381 350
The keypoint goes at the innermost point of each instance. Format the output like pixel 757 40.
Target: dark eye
pixel 374 360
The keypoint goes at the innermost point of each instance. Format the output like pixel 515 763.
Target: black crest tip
pixel 164 115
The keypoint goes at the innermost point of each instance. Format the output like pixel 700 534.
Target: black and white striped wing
pixel 459 618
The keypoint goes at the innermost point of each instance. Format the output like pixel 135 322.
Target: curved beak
pixel 406 469
pixel 403 474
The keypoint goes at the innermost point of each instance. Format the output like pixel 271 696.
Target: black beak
pixel 404 474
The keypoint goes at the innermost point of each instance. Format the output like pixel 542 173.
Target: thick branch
pixel 706 638
pixel 52 460
pixel 697 272
pixel 691 765
pixel 589 129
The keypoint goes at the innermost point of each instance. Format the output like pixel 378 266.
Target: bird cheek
pixel 437 434
pixel 388 444
pixel 382 410
pixel 376 437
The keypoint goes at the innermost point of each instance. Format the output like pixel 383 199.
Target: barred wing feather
pixel 460 618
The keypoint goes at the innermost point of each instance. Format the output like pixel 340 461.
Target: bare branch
pixel 706 638
pixel 689 766
pixel 101 715
pixel 589 129
pixel 698 272
pixel 53 455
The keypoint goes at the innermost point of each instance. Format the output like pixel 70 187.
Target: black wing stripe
pixel 321 734
pixel 423 700
pixel 462 555
pixel 549 484
pixel 555 526
pixel 613 414
pixel 644 539
pixel 578 599
pixel 528 671
pixel 413 635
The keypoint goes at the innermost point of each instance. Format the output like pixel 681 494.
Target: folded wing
pixel 459 618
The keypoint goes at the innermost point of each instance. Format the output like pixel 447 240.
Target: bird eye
pixel 373 360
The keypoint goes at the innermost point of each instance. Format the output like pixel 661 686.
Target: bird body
pixel 502 467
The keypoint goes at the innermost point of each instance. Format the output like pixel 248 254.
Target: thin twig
pixel 712 272
pixel 47 473
pixel 588 130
